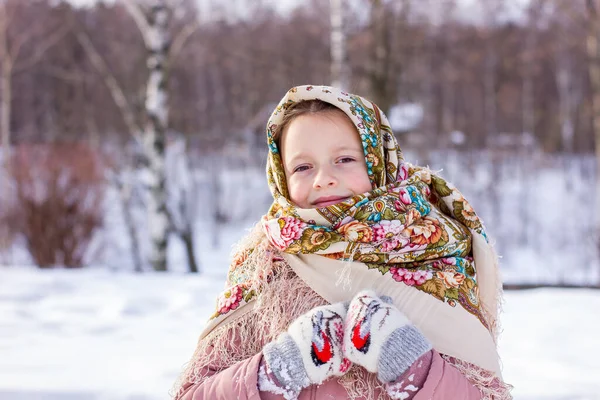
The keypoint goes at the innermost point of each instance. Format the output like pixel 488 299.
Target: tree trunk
pixel 155 132
pixel 594 71
pixel 564 84
pixel 216 192
pixel 6 100
pixel 125 193
pixel 339 73
pixel 183 196
pixel 188 212
pixel 5 113
pixel 490 107
pixel 527 128
pixel 5 162
pixel 381 87
pixel 187 238
pixel 489 83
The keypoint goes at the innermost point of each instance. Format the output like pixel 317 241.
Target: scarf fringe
pixel 491 316
pixel 283 296
pixel 276 306
pixel 360 384
pixel 490 386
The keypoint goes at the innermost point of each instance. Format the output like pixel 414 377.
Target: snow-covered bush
pixel 57 195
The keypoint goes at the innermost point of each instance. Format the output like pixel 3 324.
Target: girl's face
pixel 323 160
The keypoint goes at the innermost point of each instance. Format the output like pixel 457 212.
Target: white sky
pixel 468 10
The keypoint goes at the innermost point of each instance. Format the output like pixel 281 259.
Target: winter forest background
pixel 132 141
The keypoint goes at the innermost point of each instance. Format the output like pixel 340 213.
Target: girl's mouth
pixel 328 201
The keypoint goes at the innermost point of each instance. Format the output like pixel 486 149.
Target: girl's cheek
pixel 298 184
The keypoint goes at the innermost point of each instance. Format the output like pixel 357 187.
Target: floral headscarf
pixel 413 224
pixel 413 237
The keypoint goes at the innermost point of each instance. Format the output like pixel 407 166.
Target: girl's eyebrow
pixel 347 148
pixel 301 155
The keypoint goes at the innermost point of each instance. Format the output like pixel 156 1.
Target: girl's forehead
pixel 318 127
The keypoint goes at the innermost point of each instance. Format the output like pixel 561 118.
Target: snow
pixel 548 345
pixel 103 332
pixel 405 117
pixel 96 334
pixel 457 138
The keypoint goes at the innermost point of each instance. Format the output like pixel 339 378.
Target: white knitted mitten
pixel 380 338
pixel 311 350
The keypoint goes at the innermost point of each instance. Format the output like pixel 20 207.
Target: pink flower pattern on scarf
pixel 389 235
pixel 230 300
pixel 283 231
pixel 411 278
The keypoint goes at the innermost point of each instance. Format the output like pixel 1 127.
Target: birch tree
pixel 339 71
pixel 153 25
pixel 153 19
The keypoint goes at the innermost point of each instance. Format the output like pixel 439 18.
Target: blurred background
pixel 132 153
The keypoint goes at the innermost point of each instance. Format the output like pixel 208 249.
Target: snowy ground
pixel 96 334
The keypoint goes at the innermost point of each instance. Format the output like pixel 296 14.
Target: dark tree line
pixel 95 76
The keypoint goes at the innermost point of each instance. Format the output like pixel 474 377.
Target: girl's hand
pixel 311 350
pixel 380 338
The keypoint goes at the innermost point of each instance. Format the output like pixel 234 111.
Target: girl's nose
pixel 324 179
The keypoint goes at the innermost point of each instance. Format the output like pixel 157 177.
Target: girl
pixel 368 277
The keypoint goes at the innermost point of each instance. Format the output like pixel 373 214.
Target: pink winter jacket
pixel 240 382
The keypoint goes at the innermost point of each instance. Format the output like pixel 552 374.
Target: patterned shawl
pixel 413 228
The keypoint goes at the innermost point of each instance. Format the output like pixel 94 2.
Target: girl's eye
pixel 344 160
pixel 301 168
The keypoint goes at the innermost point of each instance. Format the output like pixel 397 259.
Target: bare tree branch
pixel 134 9
pixel 7 60
pixel 64 74
pixel 181 38
pixel 6 66
pixel 23 37
pixel 7 12
pixel 111 82
pixel 41 49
